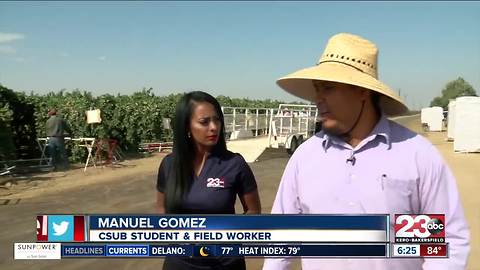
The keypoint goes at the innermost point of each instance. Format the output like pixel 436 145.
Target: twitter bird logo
pixel 60 229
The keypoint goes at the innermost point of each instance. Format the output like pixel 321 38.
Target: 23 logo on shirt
pixel 215 182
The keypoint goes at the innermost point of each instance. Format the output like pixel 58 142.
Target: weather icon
pixel 204 251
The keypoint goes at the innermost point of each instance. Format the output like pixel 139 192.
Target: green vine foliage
pixel 17 125
pixel 129 119
pixel 7 147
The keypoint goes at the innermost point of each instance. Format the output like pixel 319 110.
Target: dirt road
pixel 131 190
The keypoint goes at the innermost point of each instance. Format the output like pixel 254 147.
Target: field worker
pixel 201 176
pixel 56 129
pixel 363 163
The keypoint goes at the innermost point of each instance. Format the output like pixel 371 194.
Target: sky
pixel 237 49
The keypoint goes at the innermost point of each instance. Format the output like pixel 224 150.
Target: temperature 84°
pixel 434 250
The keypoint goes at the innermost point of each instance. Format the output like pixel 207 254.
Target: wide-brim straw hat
pixel 348 59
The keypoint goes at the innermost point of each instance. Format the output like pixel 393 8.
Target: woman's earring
pixel 189 135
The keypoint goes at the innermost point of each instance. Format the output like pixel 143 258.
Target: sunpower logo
pixel 61 228
pixel 37 251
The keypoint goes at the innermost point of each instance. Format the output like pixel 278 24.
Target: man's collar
pixel 382 129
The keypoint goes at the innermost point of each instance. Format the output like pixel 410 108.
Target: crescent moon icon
pixel 203 252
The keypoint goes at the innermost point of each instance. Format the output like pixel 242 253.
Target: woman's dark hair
pixel 180 176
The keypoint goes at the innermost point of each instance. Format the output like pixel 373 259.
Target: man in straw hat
pixel 363 163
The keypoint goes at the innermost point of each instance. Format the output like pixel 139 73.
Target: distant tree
pixel 224 101
pixel 452 90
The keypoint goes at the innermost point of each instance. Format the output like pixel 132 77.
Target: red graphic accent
pixel 79 228
pixel 438 250
pixel 42 228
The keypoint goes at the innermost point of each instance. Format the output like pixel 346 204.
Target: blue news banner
pixel 236 222
pixel 224 250
pixel 239 228
pixel 224 236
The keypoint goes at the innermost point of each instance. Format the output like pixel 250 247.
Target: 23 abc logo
pixel 419 226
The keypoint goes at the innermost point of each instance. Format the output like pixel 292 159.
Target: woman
pixel 201 176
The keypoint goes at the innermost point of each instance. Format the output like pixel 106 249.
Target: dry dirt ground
pixel 129 188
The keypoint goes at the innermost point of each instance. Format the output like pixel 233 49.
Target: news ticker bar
pixel 333 250
pixel 61 250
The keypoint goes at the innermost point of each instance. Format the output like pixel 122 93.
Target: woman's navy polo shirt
pixel 214 190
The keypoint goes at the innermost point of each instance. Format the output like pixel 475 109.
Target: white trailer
pixel 242 122
pixel 291 125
